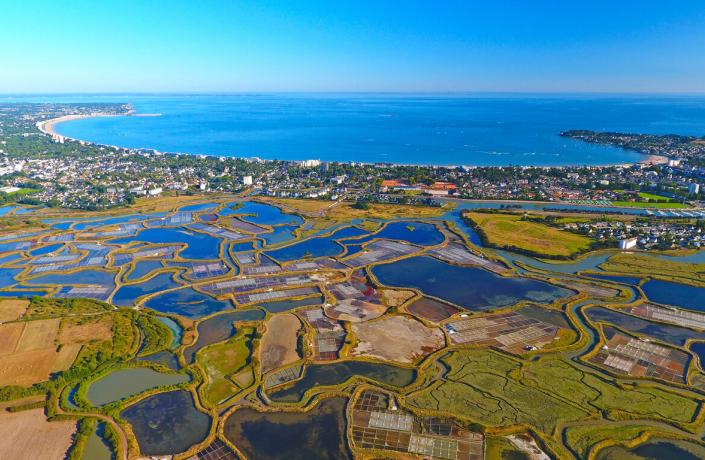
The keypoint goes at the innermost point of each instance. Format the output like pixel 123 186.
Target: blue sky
pixel 360 45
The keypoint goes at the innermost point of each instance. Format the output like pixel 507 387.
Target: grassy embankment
pixel 325 214
pixel 511 231
pixel 499 392
pixel 228 366
pixel 644 204
pixel 636 264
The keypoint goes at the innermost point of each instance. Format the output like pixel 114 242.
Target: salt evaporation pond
pixel 124 383
pixel 167 423
pixel 316 434
pixel 468 287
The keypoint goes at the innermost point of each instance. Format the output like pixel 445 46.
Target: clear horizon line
pixel 354 92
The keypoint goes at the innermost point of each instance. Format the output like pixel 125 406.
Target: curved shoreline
pixel 47 127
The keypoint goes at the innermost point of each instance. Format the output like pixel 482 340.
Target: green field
pixel 582 439
pixel 221 361
pixel 643 204
pixel 511 231
pixel 646 265
pixel 498 391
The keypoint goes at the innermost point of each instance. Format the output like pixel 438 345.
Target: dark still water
pixel 410 129
pixel 316 434
pixel 471 288
pixel 679 295
pixel 167 423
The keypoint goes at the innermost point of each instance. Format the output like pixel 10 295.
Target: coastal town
pixel 40 167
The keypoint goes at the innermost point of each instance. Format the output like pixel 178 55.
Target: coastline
pixel 48 127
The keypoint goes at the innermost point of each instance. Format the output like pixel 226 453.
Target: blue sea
pixel 478 130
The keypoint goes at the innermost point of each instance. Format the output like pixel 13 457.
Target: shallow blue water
pixel 187 302
pixel 128 294
pixel 468 287
pixel 414 232
pixel 142 268
pixel 416 129
pixel 667 333
pixel 167 423
pixel 679 295
pixel 631 280
pixel 316 247
pixel 260 213
pixel 200 245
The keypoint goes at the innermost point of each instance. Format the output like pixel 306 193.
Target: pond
pixel 336 373
pixel 656 449
pixel 259 213
pixel 176 331
pixel 96 447
pixel 219 328
pixel 45 249
pixel 554 317
pixel 128 294
pixel 200 245
pixel 23 293
pixel 85 224
pixel 694 258
pixel 143 268
pixel 201 207
pixel 468 287
pixel 100 277
pixel 316 247
pixel 167 423
pixel 7 276
pixel 316 434
pixel 279 235
pixel 420 233
pixel 590 262
pixel 124 383
pixel 670 334
pixel 462 226
pixel 10 258
pixel 698 348
pixel 679 295
pixel 165 358
pixel 431 309
pixel 187 302
pixel 279 306
pixel 630 280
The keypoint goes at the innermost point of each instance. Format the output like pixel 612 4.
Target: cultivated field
pixel 12 309
pixel 79 330
pixel 396 338
pixel 39 335
pixel 509 230
pixel 9 336
pixel 278 345
pixel 32 350
pixel 28 435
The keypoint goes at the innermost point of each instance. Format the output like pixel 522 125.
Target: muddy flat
pixel 396 338
pixel 278 346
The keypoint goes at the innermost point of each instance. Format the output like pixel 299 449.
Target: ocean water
pixel 409 129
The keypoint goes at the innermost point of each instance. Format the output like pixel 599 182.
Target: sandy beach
pixel 47 126
pixel 654 160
